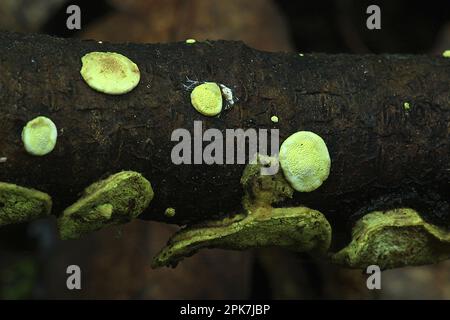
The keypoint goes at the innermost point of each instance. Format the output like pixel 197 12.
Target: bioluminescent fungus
pixel 207 99
pixel 39 136
pixel 109 72
pixel 191 41
pixel 274 119
pixel 446 54
pixel 305 160
pixel 406 106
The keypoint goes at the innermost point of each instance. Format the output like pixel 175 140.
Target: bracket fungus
pixel 392 239
pixel 299 229
pixel 206 98
pixel 115 200
pixel 19 204
pixel 109 72
pixel 39 136
pixel 305 160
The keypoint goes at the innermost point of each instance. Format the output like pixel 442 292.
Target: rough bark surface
pixel 383 155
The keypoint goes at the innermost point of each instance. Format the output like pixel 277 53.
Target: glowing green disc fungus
pixel 207 99
pixel 305 161
pixel 39 136
pixel 446 54
pixel 109 72
pixel 274 119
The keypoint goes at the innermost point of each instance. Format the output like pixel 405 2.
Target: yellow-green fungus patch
pixel 39 136
pixel 394 238
pixel 446 54
pixel 170 212
pixel 19 204
pixel 274 119
pixel 206 98
pixel 115 200
pixel 109 72
pixel 191 41
pixel 406 106
pixel 305 160
pixel 299 229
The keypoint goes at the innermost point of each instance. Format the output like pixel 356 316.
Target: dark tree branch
pixel 382 153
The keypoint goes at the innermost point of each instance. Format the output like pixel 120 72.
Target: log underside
pixel 383 154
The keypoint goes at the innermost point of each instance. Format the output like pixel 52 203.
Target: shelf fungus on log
pixel 115 200
pixel 19 204
pixel 299 229
pixel 394 238
pixel 384 155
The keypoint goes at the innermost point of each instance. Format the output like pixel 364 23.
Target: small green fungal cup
pixel 305 161
pixel 39 136
pixel 207 99
pixel 170 212
pixel 109 72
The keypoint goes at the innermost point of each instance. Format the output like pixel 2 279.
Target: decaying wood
pixel 383 154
